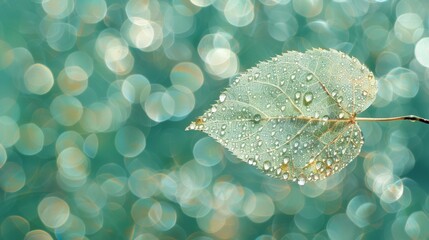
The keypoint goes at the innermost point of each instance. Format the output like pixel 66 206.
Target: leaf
pixel 294 117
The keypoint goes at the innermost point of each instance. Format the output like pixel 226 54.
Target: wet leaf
pixel 293 117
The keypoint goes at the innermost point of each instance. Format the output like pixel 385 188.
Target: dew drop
pixel 292 77
pixel 283 108
pixel 297 95
pixel 256 118
pixel 266 165
pixel 222 97
pixel 364 93
pixel 339 99
pixel 223 127
pixel 214 109
pixel 301 180
pixel 309 77
pixel 256 75
pixel 285 176
pixel 334 93
pixel 259 143
pixel 286 160
pixel 282 83
pixel 341 115
pixel 222 133
pixel 308 98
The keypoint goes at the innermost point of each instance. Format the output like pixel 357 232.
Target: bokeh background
pixel 95 96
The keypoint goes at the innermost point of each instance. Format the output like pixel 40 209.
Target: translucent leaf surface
pixel 293 117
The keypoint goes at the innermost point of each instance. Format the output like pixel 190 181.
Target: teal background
pixel 95 96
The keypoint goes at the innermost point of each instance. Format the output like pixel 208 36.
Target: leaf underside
pixel 293 116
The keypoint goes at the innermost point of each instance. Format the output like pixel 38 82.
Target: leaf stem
pixel 400 118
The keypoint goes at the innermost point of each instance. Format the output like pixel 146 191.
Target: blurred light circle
pixel 208 152
pixel 74 228
pixel 3 156
pixel 97 117
pixel 58 8
pixel 12 177
pixel 308 8
pixel 38 235
pixel 31 139
pixel 82 60
pixel 10 108
pixel 90 199
pixel 66 110
pixel 73 80
pixel 195 176
pixel 259 208
pixel 91 11
pixel 38 79
pixel 14 227
pixel 136 88
pixel 140 212
pixel 184 100
pixel 146 178
pixel 142 9
pixel 187 74
pixel 112 179
pixel 53 211
pixel 409 28
pixel 340 227
pixel 392 191
pixel 143 34
pixel 90 145
pixel 73 164
pixel 210 41
pixel 281 31
pixel 130 141
pixel 361 209
pixel 9 131
pixel 163 216
pixel 421 51
pixel 202 3
pixel 404 81
pixel 180 21
pixel 61 36
pixel 239 13
pixel 417 225
pixel 68 139
pixel 222 62
pixel 159 106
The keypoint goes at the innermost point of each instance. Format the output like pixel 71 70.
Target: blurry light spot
pixel 143 34
pixel 72 164
pixel 308 8
pixel 38 235
pixel 82 60
pixel 140 212
pixel 417 225
pixel 405 82
pixel 73 80
pixel 91 11
pixel 58 8
pixel 187 74
pixel 222 62
pixel 136 88
pixel 61 36
pixel 208 152
pixel 409 28
pixel 14 227
pixel 184 100
pixel 112 179
pixel 53 211
pixel 202 3
pixel 66 110
pixel 195 176
pixel 162 215
pixel 159 106
pixel 12 177
pixel 38 79
pixel 340 227
pixel 130 141
pixel 97 117
pixel 361 210
pixel 239 13
pixel 421 51
pixel 90 145
pixel 9 131
pixel 143 183
pixel 31 139
pixel 68 139
pixel 259 208
pixel 3 156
